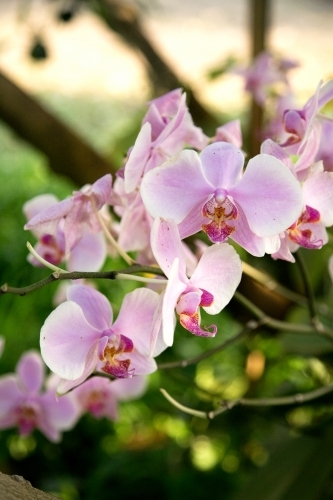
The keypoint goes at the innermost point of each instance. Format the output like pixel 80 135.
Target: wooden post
pixel 259 14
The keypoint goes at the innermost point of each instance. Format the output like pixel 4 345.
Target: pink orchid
pixel 23 404
pixel 89 252
pixel 308 230
pixel 77 212
pixel 263 72
pixel 211 192
pixel 166 129
pixel 79 336
pixel 211 285
pixel 299 123
pixel 100 396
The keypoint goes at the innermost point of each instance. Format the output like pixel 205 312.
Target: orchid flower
pixel 88 254
pixel 100 396
pixel 80 336
pixel 299 123
pixel 210 192
pixel 263 72
pixel 308 230
pixel 211 285
pixel 25 405
pixel 166 129
pixel 79 214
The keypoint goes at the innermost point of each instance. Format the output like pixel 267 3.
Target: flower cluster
pixel 178 203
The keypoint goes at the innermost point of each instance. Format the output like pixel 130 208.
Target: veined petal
pixel 141 364
pixel 135 319
pixel 138 158
pixel 222 164
pixel 166 246
pixel 66 339
pixel 47 221
pixel 219 272
pixel 38 204
pixel 31 371
pixel 95 306
pixel 89 254
pixel 173 189
pixel 318 193
pixel 269 195
pixel 101 190
pixel 10 394
pixel 128 388
pixel 174 289
pixel 62 413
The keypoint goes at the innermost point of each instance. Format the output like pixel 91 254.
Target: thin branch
pixel 308 289
pixel 249 327
pixel 294 399
pixel 76 275
pixel 284 326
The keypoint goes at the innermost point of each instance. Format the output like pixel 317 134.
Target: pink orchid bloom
pixel 211 286
pixel 25 405
pixel 166 129
pixel 88 254
pixel 79 336
pixel 211 192
pixel 299 123
pixel 308 230
pixel 100 396
pixel 263 72
pixel 77 212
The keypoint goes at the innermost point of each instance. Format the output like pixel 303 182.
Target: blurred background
pixel 74 79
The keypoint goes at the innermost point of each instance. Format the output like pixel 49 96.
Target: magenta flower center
pixel 51 251
pixel 116 347
pixel 27 418
pixel 301 233
pixel 189 313
pixel 221 211
pixel 95 402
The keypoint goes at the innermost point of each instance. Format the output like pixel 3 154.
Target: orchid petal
pixel 318 193
pixel 38 204
pixel 95 306
pixel 222 164
pixel 219 272
pixel 173 189
pixel 166 246
pixel 138 158
pixel 66 341
pixel 10 394
pixel 174 289
pixel 31 371
pixel 135 319
pixel 269 195
pixel 129 388
pixel 89 254
pixel 47 221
